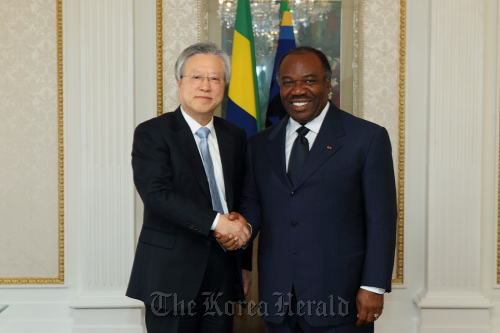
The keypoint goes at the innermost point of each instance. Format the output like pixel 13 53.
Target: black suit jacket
pixel 175 239
pixel 334 229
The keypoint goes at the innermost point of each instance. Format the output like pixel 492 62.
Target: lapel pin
pixel 328 147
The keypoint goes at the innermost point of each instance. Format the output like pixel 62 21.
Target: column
pixel 106 234
pixel 453 301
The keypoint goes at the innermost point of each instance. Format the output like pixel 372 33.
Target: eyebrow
pixel 304 76
pixel 201 72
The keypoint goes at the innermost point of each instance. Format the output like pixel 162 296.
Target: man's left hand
pixel 247 280
pixel 369 306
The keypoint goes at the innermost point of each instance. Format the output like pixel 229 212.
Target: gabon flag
pixel 243 96
pixel 286 42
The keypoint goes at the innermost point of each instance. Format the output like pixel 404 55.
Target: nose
pixel 298 88
pixel 205 84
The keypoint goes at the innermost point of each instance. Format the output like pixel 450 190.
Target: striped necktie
pixel 298 156
pixel 203 133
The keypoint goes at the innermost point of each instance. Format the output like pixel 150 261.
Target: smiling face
pixel 200 99
pixel 303 89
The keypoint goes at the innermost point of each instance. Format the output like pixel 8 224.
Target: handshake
pixel 232 231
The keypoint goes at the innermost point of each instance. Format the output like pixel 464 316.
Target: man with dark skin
pixel 326 216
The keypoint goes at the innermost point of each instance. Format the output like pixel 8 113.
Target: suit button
pixel 208 243
pixel 294 223
pixel 292 194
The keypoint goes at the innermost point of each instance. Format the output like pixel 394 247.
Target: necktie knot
pixel 203 132
pixel 302 130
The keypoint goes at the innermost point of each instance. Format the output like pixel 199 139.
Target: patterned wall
pixel 181 28
pixel 29 130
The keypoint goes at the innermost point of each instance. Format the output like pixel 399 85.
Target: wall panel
pixel 31 143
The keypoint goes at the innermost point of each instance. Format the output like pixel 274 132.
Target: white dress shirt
pixel 213 146
pixel 314 127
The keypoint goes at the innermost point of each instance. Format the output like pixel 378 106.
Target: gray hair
pixel 202 48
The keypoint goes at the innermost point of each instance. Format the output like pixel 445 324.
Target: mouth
pixel 299 106
pixel 300 103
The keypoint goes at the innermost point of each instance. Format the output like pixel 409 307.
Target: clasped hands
pixel 232 231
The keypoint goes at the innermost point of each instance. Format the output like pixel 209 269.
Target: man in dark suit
pixel 320 188
pixel 188 169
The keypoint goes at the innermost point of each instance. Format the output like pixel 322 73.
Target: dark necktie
pixel 209 169
pixel 298 156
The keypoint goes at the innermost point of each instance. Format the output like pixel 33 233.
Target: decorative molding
pixel 60 112
pixel 399 265
pixel 202 6
pixel 357 62
pixel 60 167
pixel 498 169
pixel 159 56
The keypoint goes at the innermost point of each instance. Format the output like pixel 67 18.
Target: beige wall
pixel 29 197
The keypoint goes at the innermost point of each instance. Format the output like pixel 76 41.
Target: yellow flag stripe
pixel 241 89
pixel 287 19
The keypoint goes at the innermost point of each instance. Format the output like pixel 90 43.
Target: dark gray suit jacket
pixel 174 243
pixel 331 232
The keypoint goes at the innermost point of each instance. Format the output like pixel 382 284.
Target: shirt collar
pixel 314 125
pixel 194 125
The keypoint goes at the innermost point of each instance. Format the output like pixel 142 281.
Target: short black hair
pixel 327 69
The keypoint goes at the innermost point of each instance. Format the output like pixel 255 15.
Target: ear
pixel 329 84
pixel 178 83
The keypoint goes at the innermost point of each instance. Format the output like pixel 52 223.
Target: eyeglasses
pixel 198 79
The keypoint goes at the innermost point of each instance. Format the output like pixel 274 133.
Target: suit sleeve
pixel 250 201
pixel 151 163
pixel 246 257
pixel 379 192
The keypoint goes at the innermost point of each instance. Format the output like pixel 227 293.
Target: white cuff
pixel 251 229
pixel 214 224
pixel 374 289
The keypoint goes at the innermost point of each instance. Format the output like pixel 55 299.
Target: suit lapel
pixel 276 143
pixel 187 145
pixel 325 145
pixel 226 150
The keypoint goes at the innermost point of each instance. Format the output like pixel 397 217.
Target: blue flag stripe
pixel 286 42
pixel 240 117
pixel 284 46
pixel 286 32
